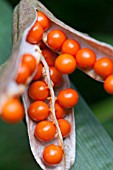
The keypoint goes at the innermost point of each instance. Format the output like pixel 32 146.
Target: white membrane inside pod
pixel 11 88
pixel 69 143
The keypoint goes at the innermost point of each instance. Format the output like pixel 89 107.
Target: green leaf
pixel 94 146
pixel 108 125
pixel 104 112
pixel 5 30
pixel 104 109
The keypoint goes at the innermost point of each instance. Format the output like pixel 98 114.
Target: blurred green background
pixel 90 16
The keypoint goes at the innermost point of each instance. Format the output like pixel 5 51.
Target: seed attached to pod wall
pixel 30 61
pixel 55 76
pixel 104 67
pixel 59 111
pixel 23 74
pixel 43 20
pixel 38 74
pixel 42 45
pixel 49 56
pixel 85 58
pixel 108 84
pixel 53 154
pixel 65 63
pixel 65 127
pixel 12 111
pixel 38 90
pixel 38 111
pixel 70 47
pixel 55 39
pixel 35 34
pixel 45 131
pixel 67 98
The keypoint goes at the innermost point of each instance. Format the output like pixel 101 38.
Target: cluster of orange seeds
pixel 71 56
pixel 13 110
pixel 39 110
pixel 84 58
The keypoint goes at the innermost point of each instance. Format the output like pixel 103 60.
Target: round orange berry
pixel 49 56
pixel 35 34
pixel 108 84
pixel 103 67
pixel 13 111
pixel 45 131
pixel 85 58
pixel 38 74
pixel 59 111
pixel 30 61
pixel 65 127
pixel 42 45
pixel 65 63
pixel 70 47
pixel 22 74
pixel 53 154
pixel 43 20
pixel 67 98
pixel 55 39
pixel 55 76
pixel 38 90
pixel 38 111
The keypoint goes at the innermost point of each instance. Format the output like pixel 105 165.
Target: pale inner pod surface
pixel 68 144
pixel 13 89
pixel 101 49
pixel 9 87
pixel 85 41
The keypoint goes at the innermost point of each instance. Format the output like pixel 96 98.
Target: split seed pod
pixel 24 19
pixel 9 87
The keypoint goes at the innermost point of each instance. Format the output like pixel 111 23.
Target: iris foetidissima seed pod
pixel 25 16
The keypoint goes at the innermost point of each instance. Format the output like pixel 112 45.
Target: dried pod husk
pixel 22 23
pixel 101 49
pixel 68 144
